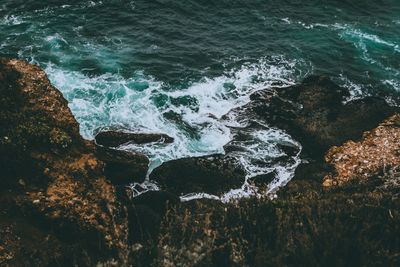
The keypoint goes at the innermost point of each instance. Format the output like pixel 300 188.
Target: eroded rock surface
pixel 56 207
pixel 378 153
pixel 349 218
pixel 211 174
pixel 122 167
pixel 315 113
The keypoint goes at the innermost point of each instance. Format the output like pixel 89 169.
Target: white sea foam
pixel 395 84
pixel 308 26
pixel 258 159
pixel 10 20
pixel 350 32
pixel 356 90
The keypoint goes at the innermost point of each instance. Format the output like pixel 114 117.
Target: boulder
pixel 210 174
pixel 123 167
pixel 115 138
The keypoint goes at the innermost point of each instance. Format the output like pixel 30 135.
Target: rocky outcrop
pixel 146 213
pixel 212 174
pixel 377 154
pixel 56 206
pixel 315 113
pixel 306 229
pixel 350 217
pixel 122 167
pixel 342 211
pixel 115 138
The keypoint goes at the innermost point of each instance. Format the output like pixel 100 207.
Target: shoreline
pixel 64 199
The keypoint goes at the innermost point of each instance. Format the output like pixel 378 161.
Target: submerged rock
pixel 114 138
pixel 176 118
pixel 210 174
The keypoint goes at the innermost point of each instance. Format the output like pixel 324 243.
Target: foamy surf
pixel 111 100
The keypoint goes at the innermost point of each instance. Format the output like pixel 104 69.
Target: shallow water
pixel 126 63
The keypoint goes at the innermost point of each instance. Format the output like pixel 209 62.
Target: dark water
pixel 128 62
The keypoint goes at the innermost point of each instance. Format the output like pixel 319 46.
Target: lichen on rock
pixel 53 185
pixel 376 154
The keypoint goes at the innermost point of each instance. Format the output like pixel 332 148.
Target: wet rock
pixel 123 167
pixel 311 169
pixel 262 180
pixel 315 113
pixel 174 117
pixel 209 174
pixel 114 138
pixel 54 191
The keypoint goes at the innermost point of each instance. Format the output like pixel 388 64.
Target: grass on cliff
pixel 351 228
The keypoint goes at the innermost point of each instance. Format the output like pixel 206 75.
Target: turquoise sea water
pixel 126 63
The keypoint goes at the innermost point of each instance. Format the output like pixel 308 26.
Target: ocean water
pixel 126 63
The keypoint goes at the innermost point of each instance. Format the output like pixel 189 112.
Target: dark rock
pixel 114 138
pixel 315 113
pixel 144 223
pixel 209 174
pixel 57 209
pixel 312 170
pixel 310 228
pixel 156 200
pixel 288 148
pixel 262 180
pixel 122 167
pixel 234 148
pixel 146 213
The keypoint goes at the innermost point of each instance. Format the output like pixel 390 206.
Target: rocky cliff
pixel 63 200
pixel 56 207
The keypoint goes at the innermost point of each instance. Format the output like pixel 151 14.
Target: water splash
pixel 140 103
